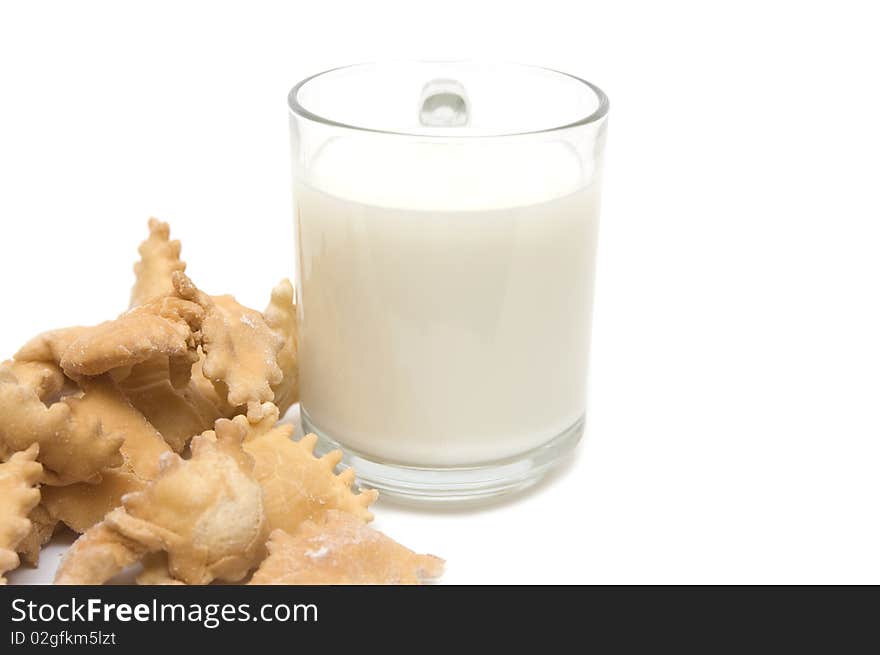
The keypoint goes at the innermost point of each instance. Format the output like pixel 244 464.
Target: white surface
pixel 733 427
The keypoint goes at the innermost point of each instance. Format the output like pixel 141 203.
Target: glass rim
pixel 295 107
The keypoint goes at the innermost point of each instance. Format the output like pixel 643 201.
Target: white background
pixel 733 422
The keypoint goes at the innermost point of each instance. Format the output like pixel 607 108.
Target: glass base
pixel 453 485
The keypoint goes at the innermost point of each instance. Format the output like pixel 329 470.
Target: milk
pixel 445 297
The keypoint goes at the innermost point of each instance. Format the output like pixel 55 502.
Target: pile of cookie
pixel 156 437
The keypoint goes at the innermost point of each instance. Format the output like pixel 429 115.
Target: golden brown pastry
pixel 298 486
pixel 45 378
pixel 160 257
pixel 241 350
pixel 205 513
pixel 178 414
pixel 98 554
pixel 280 316
pixel 42 528
pixel 19 494
pixel 155 571
pixel 73 445
pixel 49 346
pixel 164 327
pixel 82 505
pixel 341 549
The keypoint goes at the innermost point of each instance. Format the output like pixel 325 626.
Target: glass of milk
pixel 446 220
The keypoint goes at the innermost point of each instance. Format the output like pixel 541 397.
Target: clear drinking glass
pixel 446 219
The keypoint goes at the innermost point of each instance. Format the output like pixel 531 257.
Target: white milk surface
pixel 445 299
